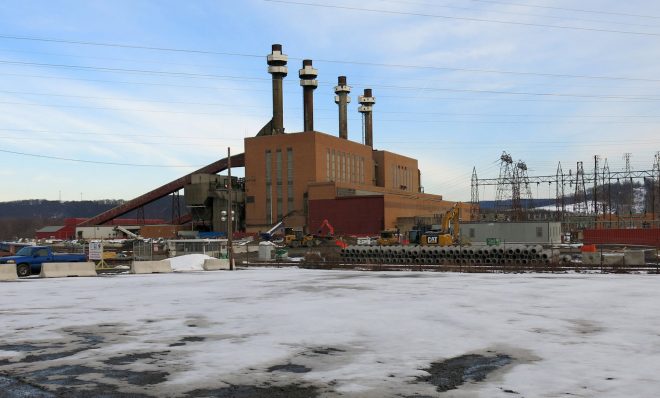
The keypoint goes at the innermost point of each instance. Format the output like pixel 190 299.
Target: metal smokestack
pixel 308 82
pixel 367 102
pixel 342 99
pixel 277 67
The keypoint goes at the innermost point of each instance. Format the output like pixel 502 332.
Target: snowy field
pixel 310 333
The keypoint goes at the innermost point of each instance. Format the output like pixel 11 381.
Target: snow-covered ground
pixel 568 335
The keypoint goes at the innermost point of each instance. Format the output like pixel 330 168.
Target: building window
pixel 289 178
pixel 361 170
pixel 333 169
pixel 344 166
pixel 352 168
pixel 539 232
pixel 472 234
pixel 269 183
pixel 341 166
pixel 278 176
pixel 327 165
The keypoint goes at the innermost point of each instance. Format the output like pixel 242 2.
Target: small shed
pixel 541 232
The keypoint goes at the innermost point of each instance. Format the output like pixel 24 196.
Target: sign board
pixel 492 241
pixel 96 250
pixel 364 240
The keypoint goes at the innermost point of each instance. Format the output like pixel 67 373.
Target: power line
pixel 137 71
pixel 93 161
pixel 384 143
pixel 416 14
pixel 85 133
pixel 563 18
pixel 129 82
pixel 150 143
pixel 568 9
pixel 265 90
pixel 386 86
pixel 322 108
pixel 389 65
pixel 130 46
pixel 320 118
pixel 465 143
pixel 219 66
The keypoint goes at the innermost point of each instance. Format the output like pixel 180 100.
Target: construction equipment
pixel 294 237
pixel 449 231
pixel 329 235
pixel 388 237
pixel 268 235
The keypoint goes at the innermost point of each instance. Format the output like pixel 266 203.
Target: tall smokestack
pixel 277 67
pixel 367 102
pixel 308 82
pixel 342 99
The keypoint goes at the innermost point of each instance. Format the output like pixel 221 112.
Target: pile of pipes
pixel 503 254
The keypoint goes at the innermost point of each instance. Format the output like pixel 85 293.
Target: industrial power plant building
pixel 303 177
pixel 311 176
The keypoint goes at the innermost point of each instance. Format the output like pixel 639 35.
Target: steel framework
pixel 513 185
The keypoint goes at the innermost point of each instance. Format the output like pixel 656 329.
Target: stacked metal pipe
pixel 487 255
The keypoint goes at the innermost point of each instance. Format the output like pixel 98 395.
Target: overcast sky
pixel 110 99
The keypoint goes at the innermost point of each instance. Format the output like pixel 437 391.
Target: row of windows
pixel 401 178
pixel 344 167
pixel 279 197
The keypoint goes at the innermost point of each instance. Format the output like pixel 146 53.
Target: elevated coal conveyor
pixel 171 187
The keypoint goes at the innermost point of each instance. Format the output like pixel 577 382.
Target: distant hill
pixel 22 218
pixel 639 196
pixel 490 204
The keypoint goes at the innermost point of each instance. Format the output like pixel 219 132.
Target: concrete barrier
pixel 591 258
pixel 634 257
pixel 151 267
pixel 215 264
pixel 8 272
pixel 61 270
pixel 612 258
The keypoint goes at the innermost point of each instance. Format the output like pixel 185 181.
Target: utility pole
pixel 230 214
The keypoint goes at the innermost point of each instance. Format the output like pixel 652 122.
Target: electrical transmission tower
pixel 560 198
pixel 628 179
pixel 474 198
pixel 655 187
pixel 505 183
pixel 580 204
pixel 522 193
pixel 606 178
pixel 595 191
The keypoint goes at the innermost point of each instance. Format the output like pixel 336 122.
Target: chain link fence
pixel 151 251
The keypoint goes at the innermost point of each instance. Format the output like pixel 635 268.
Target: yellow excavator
pixel 449 234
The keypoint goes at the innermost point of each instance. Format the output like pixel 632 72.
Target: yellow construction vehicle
pixel 449 234
pixel 388 238
pixel 294 237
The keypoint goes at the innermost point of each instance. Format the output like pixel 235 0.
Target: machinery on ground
pixel 329 235
pixel 388 237
pixel 447 235
pixel 295 237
